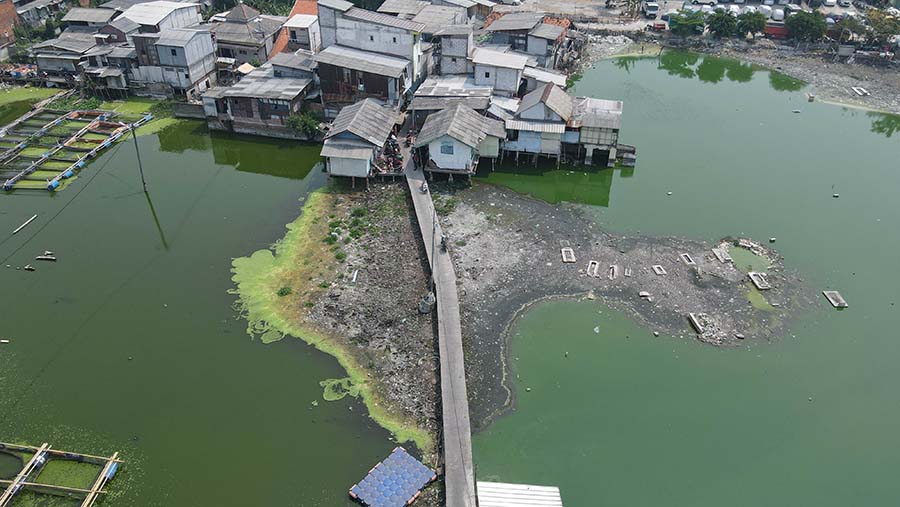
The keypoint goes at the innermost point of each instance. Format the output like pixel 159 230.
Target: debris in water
pixel 597 330
pixel 835 195
pixel 6 342
pixel 772 240
pixel 28 267
pixel 24 225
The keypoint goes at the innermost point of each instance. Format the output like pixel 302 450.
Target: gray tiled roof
pixel 69 41
pixel 253 32
pixel 547 31
pixel 338 5
pixel 455 30
pixel 420 103
pixel 553 97
pixel 437 17
pixel 368 119
pixel 499 59
pixel 88 15
pixel 402 6
pixel 461 123
pixel 347 148
pixel 516 21
pixel 364 61
pixel 384 19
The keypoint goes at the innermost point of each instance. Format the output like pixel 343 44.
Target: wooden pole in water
pixel 25 224
pixel 138 152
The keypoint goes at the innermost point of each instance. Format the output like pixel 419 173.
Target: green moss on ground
pixel 296 261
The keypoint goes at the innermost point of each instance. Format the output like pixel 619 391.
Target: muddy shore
pixel 507 252
pixel 827 79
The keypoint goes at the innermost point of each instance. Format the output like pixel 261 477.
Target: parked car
pixel 829 3
pixel 748 8
pixel 777 15
pixel 739 1
pixel 668 15
pixel 707 9
pixel 845 3
pixel 766 10
pixel 734 10
pixel 768 2
pixel 783 2
pixel 650 9
pixel 705 2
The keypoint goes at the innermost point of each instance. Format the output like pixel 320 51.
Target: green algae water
pixel 130 342
pixel 808 419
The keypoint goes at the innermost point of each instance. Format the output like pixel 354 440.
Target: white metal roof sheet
pixel 499 494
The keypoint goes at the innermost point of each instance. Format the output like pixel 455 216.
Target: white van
pixel 778 15
pixel 748 8
pixel 766 10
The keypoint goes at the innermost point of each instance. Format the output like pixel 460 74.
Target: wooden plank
pixel 759 280
pixel 38 485
pixel 14 486
pixel 100 482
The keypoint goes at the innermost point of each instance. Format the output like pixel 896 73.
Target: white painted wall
pixel 188 15
pixel 459 160
pixel 337 166
pixel 502 79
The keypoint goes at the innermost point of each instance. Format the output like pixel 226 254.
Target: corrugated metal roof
pixel 402 6
pixel 545 76
pixel 499 494
pixel 515 21
pixel 151 13
pixel 262 84
pixel 368 119
pixel 253 32
pixel 499 59
pixel 547 31
pixel 551 96
pixel 364 61
pixel 338 5
pixel 597 113
pixel 347 148
pixel 465 4
pixel 301 60
pixel 486 3
pixel 461 123
pixel 437 103
pixel 177 37
pixel 384 19
pixel 88 15
pixel 69 41
pixel 436 17
pixel 455 30
pixel 301 21
pixel 124 24
pixel 536 126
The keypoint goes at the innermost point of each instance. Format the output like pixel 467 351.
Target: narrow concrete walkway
pixel 459 477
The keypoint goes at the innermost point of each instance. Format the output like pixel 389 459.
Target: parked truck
pixel 650 9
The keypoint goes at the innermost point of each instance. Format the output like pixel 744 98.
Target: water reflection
pixel 711 69
pixel 581 185
pixel 884 123
pixel 284 158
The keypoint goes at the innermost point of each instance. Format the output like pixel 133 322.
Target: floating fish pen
pixel 35 459
pixel 47 148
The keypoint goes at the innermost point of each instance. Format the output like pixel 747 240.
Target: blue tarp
pixel 394 481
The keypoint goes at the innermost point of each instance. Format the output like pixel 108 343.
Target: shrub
pixel 305 123
pixel 359 212
pixel 340 255
pixel 284 291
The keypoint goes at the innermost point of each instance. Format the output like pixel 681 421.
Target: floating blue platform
pixel 394 482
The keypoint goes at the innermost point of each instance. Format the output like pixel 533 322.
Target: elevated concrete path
pixel 459 477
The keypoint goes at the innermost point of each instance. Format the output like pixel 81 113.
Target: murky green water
pixel 129 343
pixel 810 419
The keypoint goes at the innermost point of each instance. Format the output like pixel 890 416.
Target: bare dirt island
pixel 508 251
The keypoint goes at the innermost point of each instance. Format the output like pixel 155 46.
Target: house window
pixel 453 60
pixel 487 74
pixel 174 53
pixel 371 38
pixel 395 40
pixel 241 51
pixel 294 34
pixel 447 148
pixel 187 76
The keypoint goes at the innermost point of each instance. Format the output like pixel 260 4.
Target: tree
pixel 806 26
pixel 849 26
pixel 882 27
pixel 686 23
pixel 722 23
pixel 305 123
pixel 752 23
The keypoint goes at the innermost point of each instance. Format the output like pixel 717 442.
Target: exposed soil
pixel 507 252
pixel 378 313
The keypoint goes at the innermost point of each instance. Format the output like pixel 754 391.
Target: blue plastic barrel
pixel 52 185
